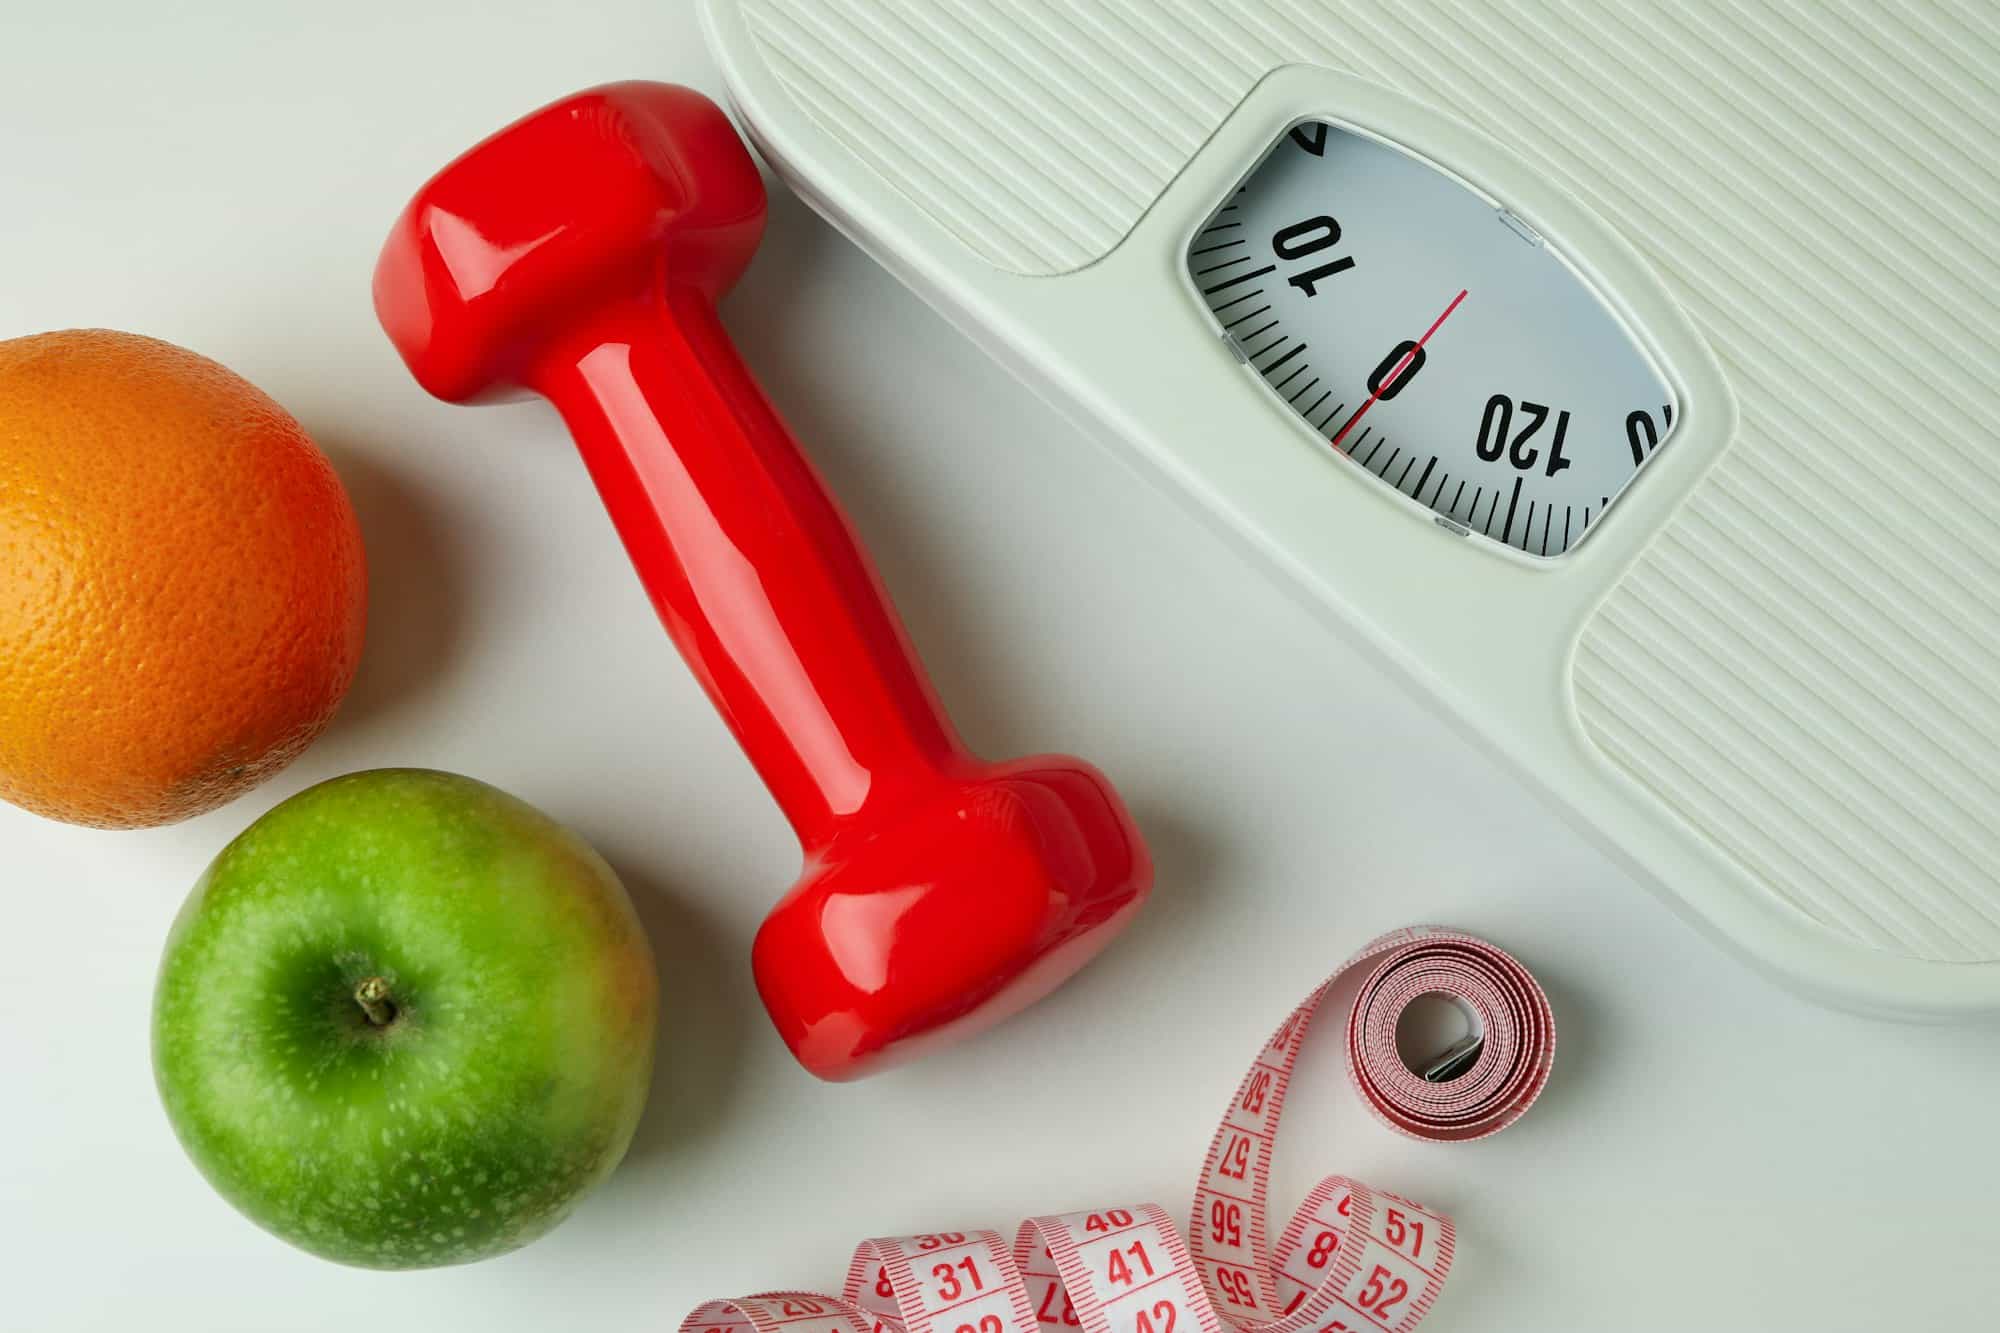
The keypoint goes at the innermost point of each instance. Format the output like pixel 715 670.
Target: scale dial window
pixel 1431 338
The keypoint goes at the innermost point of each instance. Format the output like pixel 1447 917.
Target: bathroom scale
pixel 1624 375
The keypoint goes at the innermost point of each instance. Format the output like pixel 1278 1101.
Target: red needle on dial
pixel 1397 373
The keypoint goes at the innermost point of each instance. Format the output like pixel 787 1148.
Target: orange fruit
pixel 181 581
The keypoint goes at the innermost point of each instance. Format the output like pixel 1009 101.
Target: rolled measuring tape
pixel 1352 1258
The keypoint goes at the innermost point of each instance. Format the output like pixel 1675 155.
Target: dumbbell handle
pixel 750 562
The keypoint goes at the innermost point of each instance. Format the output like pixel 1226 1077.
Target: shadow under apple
pixel 706 1009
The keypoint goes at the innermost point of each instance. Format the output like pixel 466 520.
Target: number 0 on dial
pixel 1431 337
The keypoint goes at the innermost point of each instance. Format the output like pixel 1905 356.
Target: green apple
pixel 405 1020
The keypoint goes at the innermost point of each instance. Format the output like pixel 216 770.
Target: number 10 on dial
pixel 1432 338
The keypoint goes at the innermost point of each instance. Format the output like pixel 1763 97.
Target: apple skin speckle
pixel 512 1074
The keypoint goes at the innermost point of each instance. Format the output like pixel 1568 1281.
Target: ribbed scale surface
pixel 1038 131
pixel 1817 180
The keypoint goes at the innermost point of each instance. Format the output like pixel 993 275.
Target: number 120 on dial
pixel 1432 338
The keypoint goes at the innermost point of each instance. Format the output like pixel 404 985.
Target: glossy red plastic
pixel 579 254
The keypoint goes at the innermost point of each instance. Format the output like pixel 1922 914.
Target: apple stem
pixel 372 994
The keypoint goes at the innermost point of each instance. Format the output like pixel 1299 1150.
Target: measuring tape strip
pixel 1352 1260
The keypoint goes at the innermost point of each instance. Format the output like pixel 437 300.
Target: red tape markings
pixel 1352 1260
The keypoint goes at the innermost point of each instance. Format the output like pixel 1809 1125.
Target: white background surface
pixel 1712 1154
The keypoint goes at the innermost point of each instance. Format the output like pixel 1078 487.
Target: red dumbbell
pixel 579 254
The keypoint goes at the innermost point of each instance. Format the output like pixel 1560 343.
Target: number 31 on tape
pixel 1352 1259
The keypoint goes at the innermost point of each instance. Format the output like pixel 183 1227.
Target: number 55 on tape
pixel 1352 1260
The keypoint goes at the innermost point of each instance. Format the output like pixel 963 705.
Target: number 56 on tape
pixel 1352 1259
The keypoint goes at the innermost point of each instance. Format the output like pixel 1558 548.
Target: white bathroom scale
pixel 1625 374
